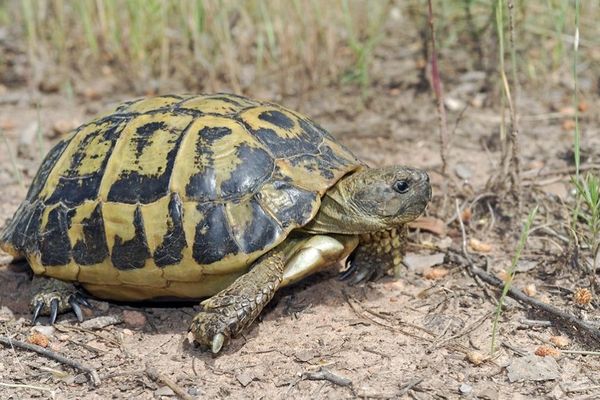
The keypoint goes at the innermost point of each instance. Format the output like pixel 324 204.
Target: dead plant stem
pixel 94 377
pixel 436 83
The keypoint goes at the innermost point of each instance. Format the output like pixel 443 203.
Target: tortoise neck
pixel 338 214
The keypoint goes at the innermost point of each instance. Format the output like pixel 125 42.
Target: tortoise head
pixel 373 199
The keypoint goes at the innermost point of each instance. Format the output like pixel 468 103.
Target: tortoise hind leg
pixel 233 309
pixel 53 297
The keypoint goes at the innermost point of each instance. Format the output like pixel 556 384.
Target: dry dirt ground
pixel 422 335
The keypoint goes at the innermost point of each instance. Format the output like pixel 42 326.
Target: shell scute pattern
pixel 90 245
pixel 78 174
pixel 146 155
pixel 169 248
pixel 132 252
pixel 174 187
pixel 54 246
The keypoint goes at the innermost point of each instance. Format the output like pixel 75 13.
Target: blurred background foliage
pixel 290 46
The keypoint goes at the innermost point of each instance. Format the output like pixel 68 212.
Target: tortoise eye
pixel 401 186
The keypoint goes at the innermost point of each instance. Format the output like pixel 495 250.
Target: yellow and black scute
pixel 173 196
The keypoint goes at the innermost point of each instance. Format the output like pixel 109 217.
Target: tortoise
pixel 205 196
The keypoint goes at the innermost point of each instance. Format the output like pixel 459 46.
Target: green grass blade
pixel 511 273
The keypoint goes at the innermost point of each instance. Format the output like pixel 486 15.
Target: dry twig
pixel 583 352
pixel 406 388
pixel 470 328
pixel 156 376
pixel 22 386
pixel 436 83
pixel 518 295
pixel 323 374
pixel 94 377
pixel 514 133
pixel 463 258
pixel 364 314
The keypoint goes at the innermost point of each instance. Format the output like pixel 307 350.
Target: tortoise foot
pixel 364 266
pixel 213 329
pixel 55 297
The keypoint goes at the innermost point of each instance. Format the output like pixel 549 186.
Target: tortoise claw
pixel 359 270
pixel 83 301
pixel 217 343
pixel 359 276
pixel 74 303
pixel 53 310
pixel 36 311
pixel 56 297
pixel 350 268
pixel 345 274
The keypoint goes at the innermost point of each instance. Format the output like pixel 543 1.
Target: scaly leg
pixel 376 253
pixel 232 310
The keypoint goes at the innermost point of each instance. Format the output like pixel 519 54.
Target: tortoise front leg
pixel 376 253
pixel 233 309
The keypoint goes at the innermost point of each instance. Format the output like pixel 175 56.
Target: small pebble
pixel 244 379
pixel 444 243
pixel 476 357
pixel 419 263
pixel 530 290
pixel 305 355
pixel 63 337
pixel 465 389
pixel 463 171
pixel 45 330
pixel 435 273
pixel 134 319
pixel 164 391
pixel 559 341
pixel 101 306
pixel 454 104
pixel 64 126
pixel 479 246
pixel 526 265
pixel 533 368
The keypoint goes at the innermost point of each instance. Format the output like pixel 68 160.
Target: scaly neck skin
pixel 338 214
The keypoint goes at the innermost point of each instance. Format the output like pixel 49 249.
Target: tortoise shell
pixel 174 195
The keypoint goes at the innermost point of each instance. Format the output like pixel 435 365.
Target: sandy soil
pixel 410 337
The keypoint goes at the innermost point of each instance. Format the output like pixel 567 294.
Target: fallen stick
pixel 156 376
pixel 323 374
pixel 94 377
pixel 518 295
pixel 583 352
pixel 406 388
pixel 464 259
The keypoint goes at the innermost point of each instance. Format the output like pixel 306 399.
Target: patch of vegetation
pixel 511 274
pixel 588 211
pixel 297 44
